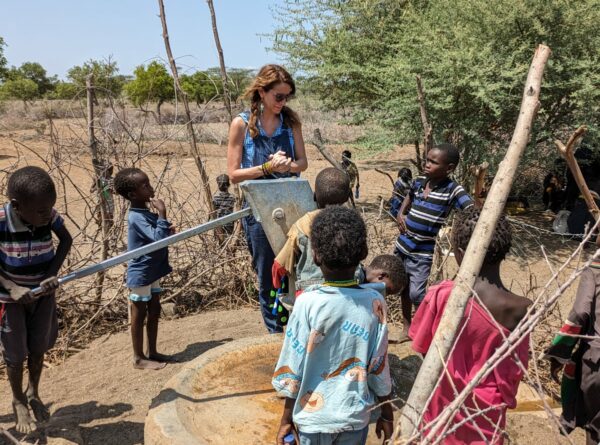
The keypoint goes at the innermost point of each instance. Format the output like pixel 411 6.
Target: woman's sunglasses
pixel 281 97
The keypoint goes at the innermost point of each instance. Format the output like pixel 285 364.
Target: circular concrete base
pixel 223 396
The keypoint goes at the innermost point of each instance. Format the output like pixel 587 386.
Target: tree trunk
pixel 427 128
pixel 97 164
pixel 158 115
pixel 188 114
pixel 226 95
pixel 445 334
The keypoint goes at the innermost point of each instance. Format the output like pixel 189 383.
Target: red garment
pixel 478 340
pixel 278 272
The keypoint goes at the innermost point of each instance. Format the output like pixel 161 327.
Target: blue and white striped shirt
pixel 427 215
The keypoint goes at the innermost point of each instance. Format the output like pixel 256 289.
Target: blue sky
pixel 62 33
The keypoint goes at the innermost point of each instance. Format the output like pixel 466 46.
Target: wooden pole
pixel 444 337
pixel 189 125
pixel 226 95
pixel 98 172
pixel 568 152
pixel 427 128
pixel 479 173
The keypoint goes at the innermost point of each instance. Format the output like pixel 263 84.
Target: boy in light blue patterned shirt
pixel 333 365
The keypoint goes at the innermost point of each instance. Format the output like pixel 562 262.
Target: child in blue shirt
pixel 333 365
pixel 144 273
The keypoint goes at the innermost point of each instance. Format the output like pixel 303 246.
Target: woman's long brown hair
pixel 267 78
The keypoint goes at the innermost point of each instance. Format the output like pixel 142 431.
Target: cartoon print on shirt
pixel 353 370
pixel 314 339
pixel 312 402
pixel 286 379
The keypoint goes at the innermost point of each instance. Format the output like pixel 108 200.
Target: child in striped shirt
pixel 28 323
pixel 422 214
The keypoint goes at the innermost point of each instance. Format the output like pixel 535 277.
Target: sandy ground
pixel 96 397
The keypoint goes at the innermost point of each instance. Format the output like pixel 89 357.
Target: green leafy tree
pixel 35 72
pixel 65 91
pixel 106 78
pixel 473 56
pixel 25 90
pixel 150 84
pixel 239 79
pixel 3 61
pixel 202 86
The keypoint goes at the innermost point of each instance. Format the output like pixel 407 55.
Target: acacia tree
pixel 36 73
pixel 3 61
pixel 107 81
pixel 472 56
pixel 201 86
pixel 151 84
pixel 25 90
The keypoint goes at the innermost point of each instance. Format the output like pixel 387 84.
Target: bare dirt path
pixel 96 397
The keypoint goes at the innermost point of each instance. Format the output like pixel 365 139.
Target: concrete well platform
pixel 225 395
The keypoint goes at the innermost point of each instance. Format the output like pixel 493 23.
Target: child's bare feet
pixel 40 412
pixel 144 363
pixel 25 423
pixel 162 358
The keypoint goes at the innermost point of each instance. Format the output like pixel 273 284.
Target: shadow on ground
pixel 195 349
pixel 67 425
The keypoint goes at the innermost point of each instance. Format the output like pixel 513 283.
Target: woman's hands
pixel 280 163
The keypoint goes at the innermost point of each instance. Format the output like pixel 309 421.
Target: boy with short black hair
pixel 332 187
pixel 330 389
pixel 387 269
pixel 223 201
pixel 144 273
pixel 421 216
pixel 28 323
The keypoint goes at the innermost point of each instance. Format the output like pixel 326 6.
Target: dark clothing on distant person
pixel 401 189
pixel 581 376
pixel 223 203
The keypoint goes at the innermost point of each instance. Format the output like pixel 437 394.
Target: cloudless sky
pixel 60 34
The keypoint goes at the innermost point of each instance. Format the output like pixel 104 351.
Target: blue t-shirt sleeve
pixel 144 230
pixel 462 200
pixel 289 370
pixel 57 221
pixel 378 371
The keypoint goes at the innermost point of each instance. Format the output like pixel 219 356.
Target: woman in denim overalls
pixel 266 143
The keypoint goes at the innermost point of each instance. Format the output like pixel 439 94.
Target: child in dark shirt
pixel 223 201
pixel 29 323
pixel 144 273
pixel 402 188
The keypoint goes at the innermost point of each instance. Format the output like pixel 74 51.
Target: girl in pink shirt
pixel 486 322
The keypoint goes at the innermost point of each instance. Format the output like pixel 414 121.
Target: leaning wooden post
pixel 493 208
pixel 188 115
pixel 568 152
pixel 98 172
